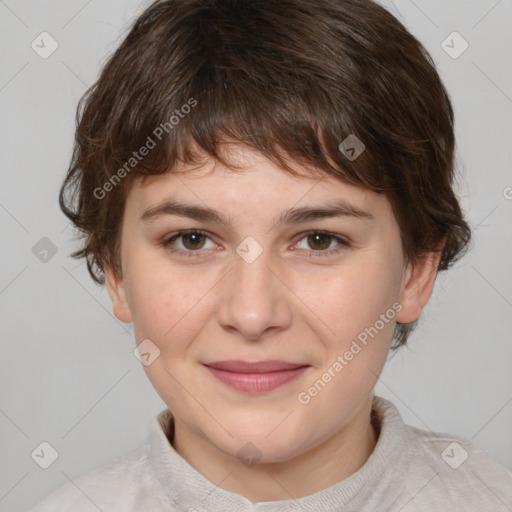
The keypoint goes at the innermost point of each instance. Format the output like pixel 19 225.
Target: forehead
pixel 248 182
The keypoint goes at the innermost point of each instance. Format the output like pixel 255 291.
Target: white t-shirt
pixel 409 470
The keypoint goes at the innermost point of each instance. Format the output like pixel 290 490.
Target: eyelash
pixel 343 243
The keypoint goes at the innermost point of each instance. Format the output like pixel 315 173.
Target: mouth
pixel 256 377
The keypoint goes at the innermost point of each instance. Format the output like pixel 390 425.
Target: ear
pixel 117 292
pixel 418 284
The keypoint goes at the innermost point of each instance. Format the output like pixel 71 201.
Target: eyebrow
pixel 292 216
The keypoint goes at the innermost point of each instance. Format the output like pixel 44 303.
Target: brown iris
pixel 194 238
pixel 320 238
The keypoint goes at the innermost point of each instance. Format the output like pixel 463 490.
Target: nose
pixel 255 301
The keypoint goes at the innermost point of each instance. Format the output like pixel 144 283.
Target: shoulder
pixel 116 486
pixel 445 470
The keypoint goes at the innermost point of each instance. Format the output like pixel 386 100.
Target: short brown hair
pixel 290 78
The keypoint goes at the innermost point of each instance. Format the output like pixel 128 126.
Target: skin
pixel 291 303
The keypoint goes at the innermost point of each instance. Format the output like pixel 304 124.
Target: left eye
pixel 322 240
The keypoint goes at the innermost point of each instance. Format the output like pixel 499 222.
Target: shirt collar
pixel 187 490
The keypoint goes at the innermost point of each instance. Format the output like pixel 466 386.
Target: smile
pixel 255 378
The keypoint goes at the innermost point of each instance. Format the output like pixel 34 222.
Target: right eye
pixel 192 242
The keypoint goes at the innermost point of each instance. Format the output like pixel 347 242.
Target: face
pixel 259 265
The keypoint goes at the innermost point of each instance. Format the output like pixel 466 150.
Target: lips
pixel 255 377
pixel 239 366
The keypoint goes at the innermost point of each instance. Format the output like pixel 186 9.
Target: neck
pixel 335 459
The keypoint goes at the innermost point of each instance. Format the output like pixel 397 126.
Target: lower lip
pixel 257 382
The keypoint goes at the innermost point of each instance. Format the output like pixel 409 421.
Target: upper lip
pixel 254 367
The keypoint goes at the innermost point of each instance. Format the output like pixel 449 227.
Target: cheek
pixel 351 302
pixel 354 355
pixel 168 307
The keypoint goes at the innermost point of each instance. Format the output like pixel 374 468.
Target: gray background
pixel 67 372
